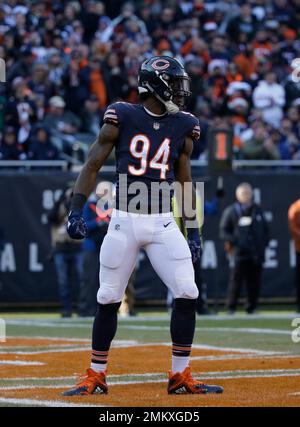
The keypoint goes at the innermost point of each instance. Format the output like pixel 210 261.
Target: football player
pixel 153 142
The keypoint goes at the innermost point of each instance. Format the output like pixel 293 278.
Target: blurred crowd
pixel 67 60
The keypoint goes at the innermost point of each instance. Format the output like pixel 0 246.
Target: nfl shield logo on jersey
pixel 156 125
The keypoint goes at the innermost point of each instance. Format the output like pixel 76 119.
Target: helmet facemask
pixel 180 87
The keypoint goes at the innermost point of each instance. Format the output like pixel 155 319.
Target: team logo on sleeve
pixel 160 64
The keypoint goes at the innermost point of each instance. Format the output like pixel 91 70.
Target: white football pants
pixel 166 248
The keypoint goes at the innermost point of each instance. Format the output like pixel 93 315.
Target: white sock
pixel 179 363
pixel 99 367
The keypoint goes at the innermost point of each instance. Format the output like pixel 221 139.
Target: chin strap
pixel 171 107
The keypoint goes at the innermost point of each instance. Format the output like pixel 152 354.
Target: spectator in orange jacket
pixel 294 225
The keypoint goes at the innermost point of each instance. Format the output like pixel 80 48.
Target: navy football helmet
pixel 166 79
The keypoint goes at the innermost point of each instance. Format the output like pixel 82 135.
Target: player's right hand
pixel 194 243
pixel 76 227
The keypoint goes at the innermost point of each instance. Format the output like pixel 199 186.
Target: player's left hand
pixel 194 243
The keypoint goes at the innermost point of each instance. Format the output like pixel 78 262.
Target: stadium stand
pixel 67 60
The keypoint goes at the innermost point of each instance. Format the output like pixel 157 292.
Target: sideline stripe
pixel 150 378
pixel 236 350
pixel 40 337
pixel 50 403
pixel 46 346
pixel 88 348
pixel 84 340
pixel 246 356
pixel 213 329
pixel 58 350
pixel 20 363
pixel 72 377
pixel 150 375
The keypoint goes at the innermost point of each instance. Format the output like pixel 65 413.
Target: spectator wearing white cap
pixel 63 124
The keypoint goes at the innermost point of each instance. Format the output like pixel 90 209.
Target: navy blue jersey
pixel 148 145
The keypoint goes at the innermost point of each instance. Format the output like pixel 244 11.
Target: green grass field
pixel 269 331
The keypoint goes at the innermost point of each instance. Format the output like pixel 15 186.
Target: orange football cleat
pixel 92 383
pixel 184 383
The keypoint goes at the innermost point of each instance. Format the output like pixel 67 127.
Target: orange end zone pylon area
pixel 33 371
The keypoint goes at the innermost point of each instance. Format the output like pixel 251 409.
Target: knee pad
pixel 186 288
pixel 185 281
pixel 108 294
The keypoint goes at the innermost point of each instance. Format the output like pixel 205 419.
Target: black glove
pixel 194 243
pixel 76 228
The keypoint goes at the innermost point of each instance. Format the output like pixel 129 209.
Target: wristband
pixel 78 201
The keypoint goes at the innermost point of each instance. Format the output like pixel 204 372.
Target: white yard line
pixel 251 371
pixel 38 378
pixel 236 350
pixel 79 340
pixel 241 316
pixel 219 375
pixel 230 377
pixel 22 347
pixel 49 403
pixel 20 363
pixel 39 337
pixel 148 377
pixel 115 344
pixel 246 356
pixel 212 329
pixel 32 387
pixel 156 374
pixel 58 350
pixel 47 324
pixel 72 377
